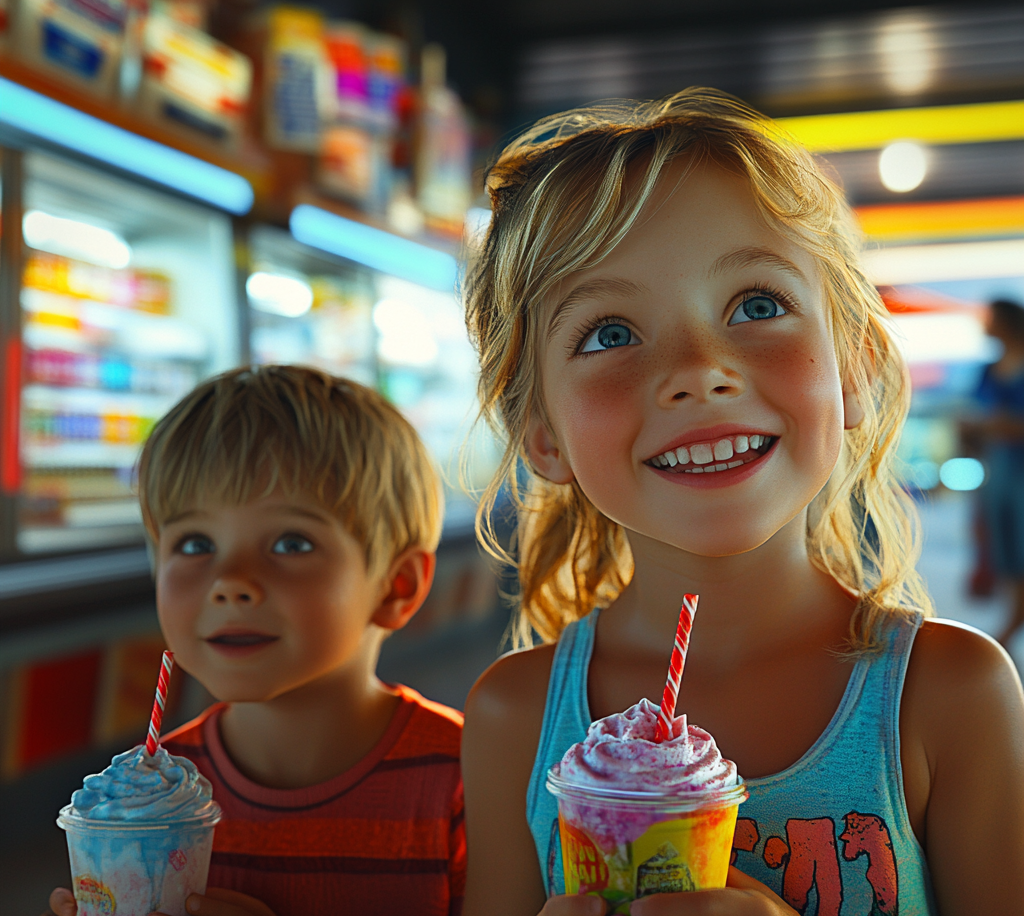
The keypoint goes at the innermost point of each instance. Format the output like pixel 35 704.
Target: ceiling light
pixel 279 294
pixel 75 239
pixel 902 166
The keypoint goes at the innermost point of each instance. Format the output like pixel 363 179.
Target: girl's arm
pixel 504 713
pixel 962 726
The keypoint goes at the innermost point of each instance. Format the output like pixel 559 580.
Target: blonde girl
pixel 678 343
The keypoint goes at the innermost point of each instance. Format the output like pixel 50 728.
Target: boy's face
pixel 259 599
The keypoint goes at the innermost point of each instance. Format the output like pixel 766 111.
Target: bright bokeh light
pixel 75 239
pixel 906 47
pixel 962 474
pixel 923 474
pixel 406 335
pixel 941 337
pixel 279 294
pixel 478 221
pixel 902 166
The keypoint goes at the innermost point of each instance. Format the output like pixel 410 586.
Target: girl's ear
pixel 545 456
pixel 853 412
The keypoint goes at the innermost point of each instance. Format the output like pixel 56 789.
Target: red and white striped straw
pixel 153 738
pixel 675 669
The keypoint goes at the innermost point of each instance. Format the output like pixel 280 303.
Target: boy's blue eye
pixel 292 543
pixel 607 337
pixel 756 308
pixel 195 545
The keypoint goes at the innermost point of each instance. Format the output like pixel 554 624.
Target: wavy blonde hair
pixel 564 194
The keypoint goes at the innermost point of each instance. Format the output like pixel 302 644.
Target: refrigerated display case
pixel 406 339
pixel 308 307
pixel 128 298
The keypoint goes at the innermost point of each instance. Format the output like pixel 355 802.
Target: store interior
pixel 192 185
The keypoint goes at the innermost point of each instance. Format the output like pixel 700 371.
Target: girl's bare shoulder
pixel 958 675
pixel 513 689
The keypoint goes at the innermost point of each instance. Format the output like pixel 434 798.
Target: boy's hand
pixel 62 902
pixel 219 901
pixel 742 896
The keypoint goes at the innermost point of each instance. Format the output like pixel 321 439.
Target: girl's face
pixel 690 378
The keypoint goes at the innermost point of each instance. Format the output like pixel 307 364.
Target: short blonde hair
pixel 564 195
pixel 241 434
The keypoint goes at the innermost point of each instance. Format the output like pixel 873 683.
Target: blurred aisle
pixel 946 563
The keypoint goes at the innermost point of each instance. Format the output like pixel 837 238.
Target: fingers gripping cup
pixel 646 803
pixel 140 833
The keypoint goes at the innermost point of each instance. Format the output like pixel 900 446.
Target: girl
pixel 676 338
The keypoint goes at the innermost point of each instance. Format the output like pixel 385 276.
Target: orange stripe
pixel 944 219
pixel 422 838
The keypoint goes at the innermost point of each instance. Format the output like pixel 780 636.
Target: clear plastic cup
pixel 133 868
pixel 623 845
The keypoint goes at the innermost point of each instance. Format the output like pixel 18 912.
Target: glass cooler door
pixel 128 299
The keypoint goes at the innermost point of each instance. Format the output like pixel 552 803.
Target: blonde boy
pixel 295 517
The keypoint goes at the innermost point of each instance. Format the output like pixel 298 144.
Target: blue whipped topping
pixel 137 787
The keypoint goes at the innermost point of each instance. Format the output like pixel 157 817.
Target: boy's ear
pixel 407 584
pixel 545 456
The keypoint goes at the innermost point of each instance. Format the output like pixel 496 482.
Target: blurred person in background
pixel 996 434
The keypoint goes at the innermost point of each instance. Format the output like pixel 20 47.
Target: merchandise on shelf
pixel 190 79
pixel 444 150
pixel 359 130
pixel 104 359
pixel 78 40
pixel 294 76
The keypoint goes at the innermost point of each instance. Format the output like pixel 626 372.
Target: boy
pixel 295 517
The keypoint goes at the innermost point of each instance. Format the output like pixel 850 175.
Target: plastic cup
pixel 133 868
pixel 623 845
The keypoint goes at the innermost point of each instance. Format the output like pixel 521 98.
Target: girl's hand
pixel 219 901
pixel 742 896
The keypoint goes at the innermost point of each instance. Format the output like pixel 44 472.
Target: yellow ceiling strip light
pixel 988 217
pixel 980 123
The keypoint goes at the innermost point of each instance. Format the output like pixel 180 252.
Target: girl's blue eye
pixel 195 545
pixel 607 337
pixel 292 543
pixel 756 308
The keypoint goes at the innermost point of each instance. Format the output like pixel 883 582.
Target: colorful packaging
pixel 190 79
pixel 684 841
pixel 76 40
pixel 295 78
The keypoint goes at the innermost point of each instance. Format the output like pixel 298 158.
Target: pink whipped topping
pixel 620 752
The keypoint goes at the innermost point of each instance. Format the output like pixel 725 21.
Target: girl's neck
pixel 748 602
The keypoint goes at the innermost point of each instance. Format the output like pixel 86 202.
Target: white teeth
pixel 701 454
pixel 707 452
pixel 696 471
pixel 734 464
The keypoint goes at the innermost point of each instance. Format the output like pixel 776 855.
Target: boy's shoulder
pixel 431 728
pixel 191 734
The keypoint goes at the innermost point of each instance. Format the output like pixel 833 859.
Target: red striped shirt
pixel 385 838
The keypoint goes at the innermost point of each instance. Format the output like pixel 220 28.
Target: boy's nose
pixel 236 591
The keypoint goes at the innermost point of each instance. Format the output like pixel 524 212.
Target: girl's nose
pixel 702 372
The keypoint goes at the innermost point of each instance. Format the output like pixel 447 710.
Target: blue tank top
pixel 830 834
